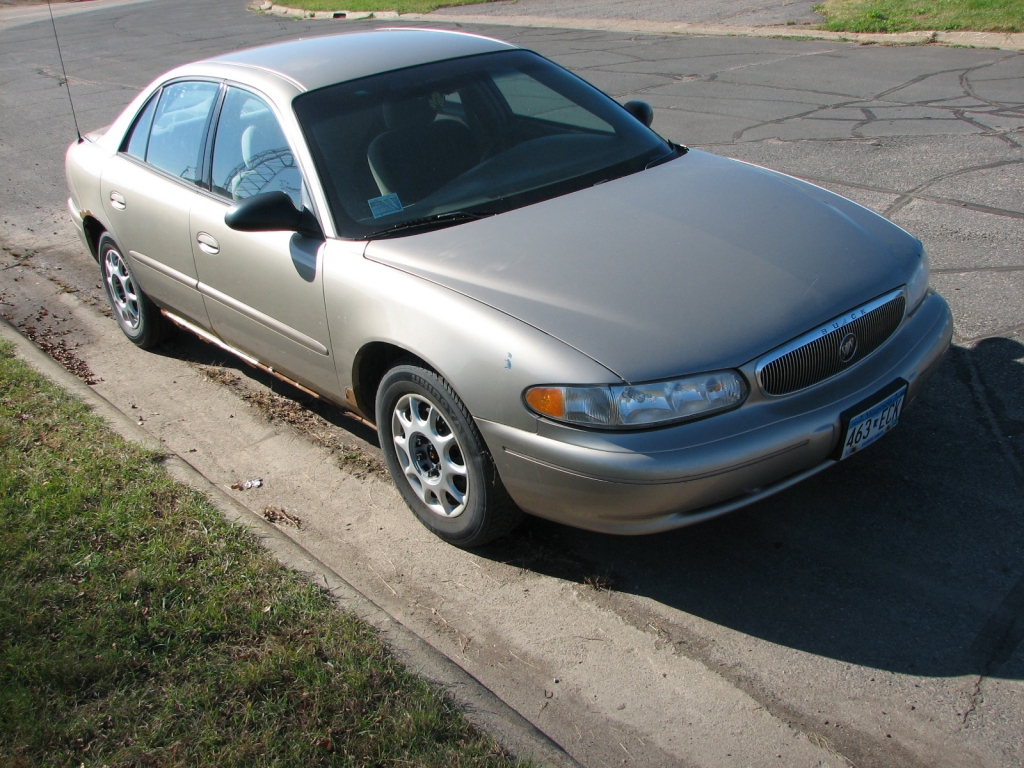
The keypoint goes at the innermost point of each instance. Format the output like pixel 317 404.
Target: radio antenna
pixel 63 71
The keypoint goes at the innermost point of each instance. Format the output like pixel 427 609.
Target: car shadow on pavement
pixel 906 558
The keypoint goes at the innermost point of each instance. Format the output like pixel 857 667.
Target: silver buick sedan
pixel 543 305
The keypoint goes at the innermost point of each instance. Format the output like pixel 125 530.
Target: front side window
pixel 250 152
pixel 179 128
pixel 458 139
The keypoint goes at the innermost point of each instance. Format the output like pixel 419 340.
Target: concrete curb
pixel 481 706
pixel 1001 40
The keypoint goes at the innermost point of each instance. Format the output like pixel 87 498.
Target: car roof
pixel 315 62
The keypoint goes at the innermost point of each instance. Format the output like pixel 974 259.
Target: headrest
pixel 408 115
pixel 261 135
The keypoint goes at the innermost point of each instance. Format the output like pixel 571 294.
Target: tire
pixel 439 461
pixel 135 312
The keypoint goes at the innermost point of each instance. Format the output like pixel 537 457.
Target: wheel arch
pixel 94 230
pixel 371 363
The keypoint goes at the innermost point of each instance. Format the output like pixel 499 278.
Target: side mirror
pixel 641 110
pixel 272 212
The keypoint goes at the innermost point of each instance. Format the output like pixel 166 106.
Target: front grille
pixel 816 356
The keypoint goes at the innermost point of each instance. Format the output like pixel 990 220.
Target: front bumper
pixel 656 480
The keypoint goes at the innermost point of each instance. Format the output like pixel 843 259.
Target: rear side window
pixel 250 152
pixel 136 146
pixel 179 128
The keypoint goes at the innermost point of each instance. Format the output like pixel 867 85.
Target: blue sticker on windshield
pixel 385 205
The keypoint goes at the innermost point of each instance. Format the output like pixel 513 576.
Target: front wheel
pixel 135 312
pixel 439 461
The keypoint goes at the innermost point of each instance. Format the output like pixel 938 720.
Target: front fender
pixel 487 356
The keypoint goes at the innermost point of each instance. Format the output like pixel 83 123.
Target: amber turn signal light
pixel 548 401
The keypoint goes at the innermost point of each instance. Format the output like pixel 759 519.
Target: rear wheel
pixel 438 459
pixel 138 316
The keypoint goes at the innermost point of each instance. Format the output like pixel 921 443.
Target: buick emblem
pixel 848 348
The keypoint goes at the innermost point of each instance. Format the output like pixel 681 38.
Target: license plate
pixel 872 419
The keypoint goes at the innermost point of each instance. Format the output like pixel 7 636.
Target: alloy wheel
pixel 430 455
pixel 122 291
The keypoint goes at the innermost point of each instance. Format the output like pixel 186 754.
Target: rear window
pixel 137 143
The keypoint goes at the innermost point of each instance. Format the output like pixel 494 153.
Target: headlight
pixel 640 405
pixel 917 285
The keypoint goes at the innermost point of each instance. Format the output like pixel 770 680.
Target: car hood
pixel 694 265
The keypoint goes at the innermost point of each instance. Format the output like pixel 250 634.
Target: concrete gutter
pixel 1000 40
pixel 479 704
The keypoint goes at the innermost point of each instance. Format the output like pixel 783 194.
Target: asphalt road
pixel 871 616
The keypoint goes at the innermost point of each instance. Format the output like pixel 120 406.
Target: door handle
pixel 208 243
pixel 117 200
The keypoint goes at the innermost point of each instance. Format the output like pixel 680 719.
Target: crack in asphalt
pixel 985 130
pixel 916 191
pixel 973 699
pixel 965 79
pixel 956 113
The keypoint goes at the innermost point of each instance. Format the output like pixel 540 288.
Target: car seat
pixel 419 153
pixel 268 164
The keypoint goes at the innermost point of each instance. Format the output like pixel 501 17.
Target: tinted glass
pixel 528 97
pixel 140 131
pixel 179 127
pixel 476 135
pixel 250 152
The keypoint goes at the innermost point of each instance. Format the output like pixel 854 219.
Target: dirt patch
pixel 278 409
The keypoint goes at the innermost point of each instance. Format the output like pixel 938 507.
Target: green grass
pixel 138 628
pixel 907 15
pixel 402 6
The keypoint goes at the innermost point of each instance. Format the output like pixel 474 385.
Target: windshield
pixel 455 140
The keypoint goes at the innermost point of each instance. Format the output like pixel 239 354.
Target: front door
pixel 263 290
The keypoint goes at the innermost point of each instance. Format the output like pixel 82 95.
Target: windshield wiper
pixel 678 150
pixel 430 222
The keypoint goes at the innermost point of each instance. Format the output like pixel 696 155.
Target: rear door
pixel 263 290
pixel 149 188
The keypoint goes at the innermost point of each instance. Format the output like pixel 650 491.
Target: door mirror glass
pixel 250 153
pixel 179 128
pixel 272 212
